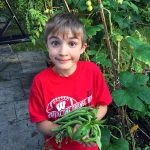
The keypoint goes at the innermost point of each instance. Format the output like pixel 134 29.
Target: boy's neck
pixel 65 73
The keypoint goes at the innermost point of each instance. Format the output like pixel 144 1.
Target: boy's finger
pixel 85 137
pixel 76 127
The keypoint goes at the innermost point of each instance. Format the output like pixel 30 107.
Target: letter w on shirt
pixel 61 105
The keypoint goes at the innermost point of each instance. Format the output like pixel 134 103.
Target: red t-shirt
pixel 52 95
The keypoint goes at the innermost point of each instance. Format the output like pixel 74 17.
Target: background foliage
pixel 128 24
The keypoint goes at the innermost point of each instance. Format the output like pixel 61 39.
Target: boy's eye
pixel 72 44
pixel 54 43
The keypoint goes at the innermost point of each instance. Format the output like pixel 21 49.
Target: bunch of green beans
pixel 85 117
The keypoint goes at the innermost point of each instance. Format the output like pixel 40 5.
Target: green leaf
pixel 81 5
pixel 33 41
pixel 123 23
pixel 69 2
pixel 126 79
pixel 141 50
pixel 129 98
pixel 37 33
pixel 119 97
pixel 40 29
pixel 142 53
pixel 137 66
pixel 131 5
pixel 133 41
pixel 134 91
pixel 117 36
pixel 132 80
pixel 140 79
pixel 92 30
pixel 91 52
pixel 101 58
pixel 98 142
pixel 144 95
pixel 135 103
pixel 119 1
pixel 134 7
pixel 105 139
pixel 86 22
pixel 120 144
pixel 126 3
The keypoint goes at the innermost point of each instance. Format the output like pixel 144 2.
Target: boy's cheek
pixel 51 52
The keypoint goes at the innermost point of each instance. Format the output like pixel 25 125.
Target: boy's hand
pixel 85 144
pixel 46 126
pixel 76 127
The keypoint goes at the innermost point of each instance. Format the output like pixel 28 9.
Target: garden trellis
pixel 14 38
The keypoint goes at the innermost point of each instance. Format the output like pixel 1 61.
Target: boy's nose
pixel 63 50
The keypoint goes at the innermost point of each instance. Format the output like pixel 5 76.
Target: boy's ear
pixel 46 45
pixel 84 46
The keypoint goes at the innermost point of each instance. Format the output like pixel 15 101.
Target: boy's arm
pixel 45 127
pixel 102 110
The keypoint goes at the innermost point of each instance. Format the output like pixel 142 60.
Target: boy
pixel 69 83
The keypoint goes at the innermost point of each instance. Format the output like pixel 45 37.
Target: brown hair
pixel 61 23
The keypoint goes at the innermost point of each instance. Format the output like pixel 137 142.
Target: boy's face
pixel 64 52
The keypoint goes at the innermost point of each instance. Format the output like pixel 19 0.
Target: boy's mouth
pixel 63 61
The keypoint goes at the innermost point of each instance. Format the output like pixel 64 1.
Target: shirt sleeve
pixel 36 105
pixel 103 95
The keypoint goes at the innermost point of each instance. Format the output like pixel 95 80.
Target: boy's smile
pixel 64 52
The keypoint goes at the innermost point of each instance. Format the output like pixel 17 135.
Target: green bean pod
pixel 73 116
pixel 98 142
pixel 69 131
pixel 61 127
pixel 81 118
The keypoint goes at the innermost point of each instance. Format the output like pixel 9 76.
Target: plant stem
pixel 51 7
pixel 131 134
pixel 110 22
pixel 109 45
pixel 45 7
pixel 51 3
pixel 114 137
pixel 67 5
pixel 111 126
pixel 118 46
pixel 123 115
pixel 130 64
pixel 140 129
